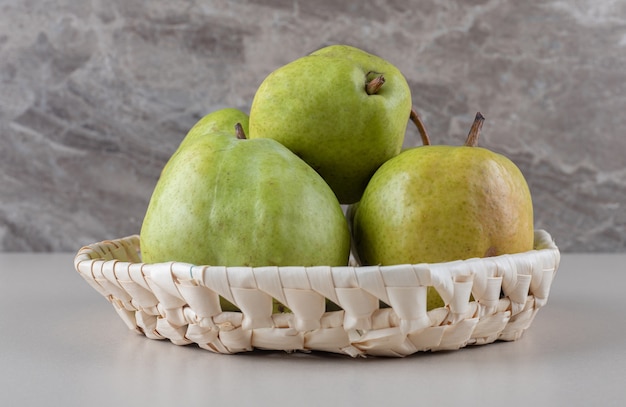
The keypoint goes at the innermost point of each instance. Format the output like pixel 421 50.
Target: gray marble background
pixel 95 96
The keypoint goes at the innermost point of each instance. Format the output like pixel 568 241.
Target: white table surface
pixel 61 343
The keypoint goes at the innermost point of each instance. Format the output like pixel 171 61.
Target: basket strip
pixel 486 300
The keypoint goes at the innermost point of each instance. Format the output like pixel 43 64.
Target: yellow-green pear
pixel 342 110
pixel 225 200
pixel 438 203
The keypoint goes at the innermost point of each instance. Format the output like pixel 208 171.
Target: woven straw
pixel 487 299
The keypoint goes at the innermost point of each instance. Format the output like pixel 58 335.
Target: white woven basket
pixel 180 301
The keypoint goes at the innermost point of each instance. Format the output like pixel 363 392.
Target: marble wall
pixel 95 96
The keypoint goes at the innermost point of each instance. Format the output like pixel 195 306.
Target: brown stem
pixel 415 118
pixel 372 87
pixel 472 137
pixel 241 135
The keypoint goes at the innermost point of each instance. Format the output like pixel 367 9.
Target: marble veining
pixel 95 96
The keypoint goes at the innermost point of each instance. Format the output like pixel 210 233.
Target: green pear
pixel 438 203
pixel 341 109
pixel 225 200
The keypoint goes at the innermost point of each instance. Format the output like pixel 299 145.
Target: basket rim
pixel 544 244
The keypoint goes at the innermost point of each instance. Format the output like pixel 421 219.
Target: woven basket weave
pixel 487 299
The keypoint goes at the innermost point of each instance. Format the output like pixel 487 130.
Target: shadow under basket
pixel 382 308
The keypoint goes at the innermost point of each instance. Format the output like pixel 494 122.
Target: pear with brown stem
pixel 438 203
pixel 342 110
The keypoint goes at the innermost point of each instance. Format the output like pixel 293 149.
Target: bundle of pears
pixel 325 132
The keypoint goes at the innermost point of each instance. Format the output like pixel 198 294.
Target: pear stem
pixel 241 135
pixel 372 87
pixel 472 137
pixel 415 118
